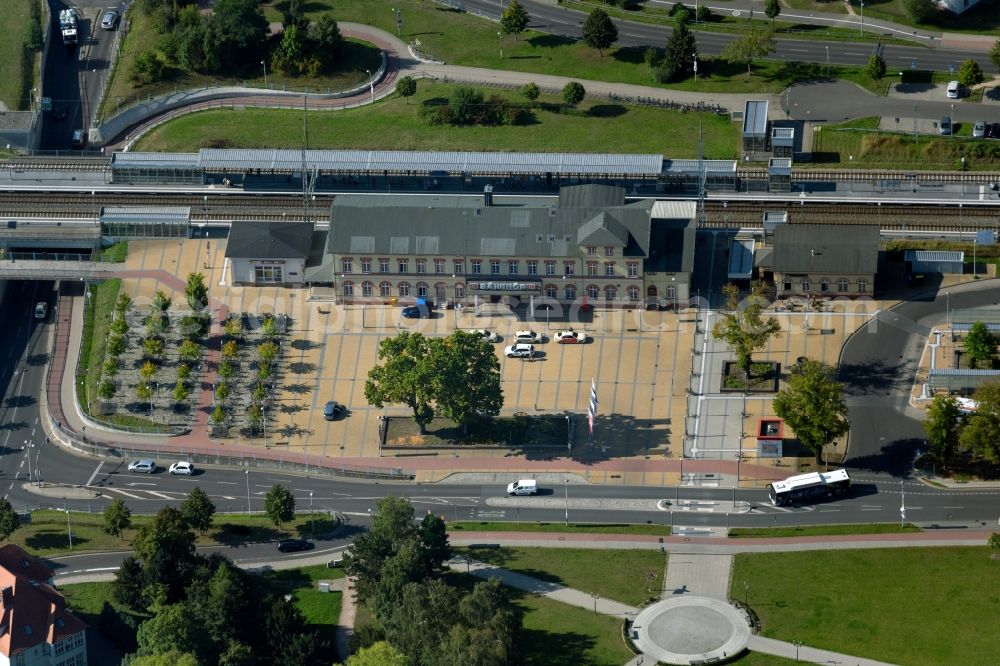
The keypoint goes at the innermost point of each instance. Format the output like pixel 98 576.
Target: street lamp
pixel 797 645
pixel 312 523
pixel 247 472
pixel 746 594
pixel 371 84
pixel 567 501
pixel 264 65
pixel 596 597
pixel 827 60
pixel 263 414
pixel 500 40
pixel 694 57
pixel 862 18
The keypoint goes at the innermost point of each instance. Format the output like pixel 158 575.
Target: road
pixel 74 77
pixel 566 22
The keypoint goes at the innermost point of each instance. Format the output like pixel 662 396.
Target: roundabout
pixel 691 629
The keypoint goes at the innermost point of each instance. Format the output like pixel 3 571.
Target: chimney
pixel 488 196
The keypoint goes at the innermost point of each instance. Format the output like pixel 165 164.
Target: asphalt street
pixel 566 22
pixel 75 76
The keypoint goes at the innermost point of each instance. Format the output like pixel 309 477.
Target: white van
pixel 523 487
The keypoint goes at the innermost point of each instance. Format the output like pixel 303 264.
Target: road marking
pixel 355 513
pixel 873 508
pixel 116 490
pixel 226 483
pixel 160 495
pixel 91 479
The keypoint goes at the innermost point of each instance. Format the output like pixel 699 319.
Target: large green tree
pixel 742 325
pixel 9 520
pixel 198 510
pixel 812 404
pixel 980 345
pixel 598 31
pixel 279 505
pixel 771 9
pixel 678 56
pixel 981 434
pixel 920 11
pixel 942 427
pixel 514 20
pixel 995 54
pixel 403 375
pixel 165 547
pixel 379 654
pixel 744 49
pixel 970 73
pixel 173 628
pixel 117 517
pixel 171 658
pixel 466 378
pixel 240 34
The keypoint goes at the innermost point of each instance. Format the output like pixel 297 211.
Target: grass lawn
pixel 872 149
pixel 556 634
pixel 17 63
pixel 821 530
pixel 355 58
pixel 96 324
pixel 906 606
pixel 45 535
pixel 472 526
pixel 983 18
pixel 395 124
pixel 320 609
pixel 622 575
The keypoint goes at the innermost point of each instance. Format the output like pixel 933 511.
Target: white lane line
pixel 160 495
pixel 116 490
pixel 226 483
pixel 92 476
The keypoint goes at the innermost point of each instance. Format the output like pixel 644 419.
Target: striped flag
pixel 592 409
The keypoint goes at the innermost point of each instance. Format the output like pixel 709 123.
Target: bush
pixel 920 11
pixel 652 56
pixel 146 68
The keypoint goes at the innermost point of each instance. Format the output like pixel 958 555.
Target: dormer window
pixel 591 250
pixel 609 252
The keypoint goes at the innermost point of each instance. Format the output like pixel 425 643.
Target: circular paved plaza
pixel 687 629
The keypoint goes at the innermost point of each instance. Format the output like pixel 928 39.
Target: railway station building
pixel 586 246
pixel 825 260
pixel 269 253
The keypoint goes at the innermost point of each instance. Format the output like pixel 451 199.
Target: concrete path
pixel 543 588
pixel 806 653
pixel 699 574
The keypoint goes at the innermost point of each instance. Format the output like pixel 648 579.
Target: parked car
pixel 79 140
pixel 144 466
pixel 41 310
pixel 59 111
pixel 528 336
pixel 995 130
pixel 486 334
pixel 523 487
pixel 292 545
pixel 520 351
pixel 979 129
pixel 944 127
pixel 954 88
pixel 183 467
pixel 110 19
pixel 416 312
pixel 570 337
pixel 332 410
pixel 988 130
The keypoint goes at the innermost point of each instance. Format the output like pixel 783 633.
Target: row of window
pixel 78 660
pixel 422 290
pixel 495 266
pixel 68 643
pixel 843 285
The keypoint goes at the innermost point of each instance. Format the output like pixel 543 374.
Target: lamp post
pixel 827 60
pixel 862 18
pixel 371 84
pixel 596 597
pixel 263 414
pixel 567 501
pixel 500 41
pixel 797 645
pixel 263 64
pixel 69 529
pixel 746 594
pixel 247 473
pixel 694 57
pixel 27 454
pixel 312 518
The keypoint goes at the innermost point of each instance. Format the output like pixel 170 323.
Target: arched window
pixel 610 292
pixel 842 285
pixel 862 285
pixel 384 288
pixel 651 291
pixel 367 288
pixel 421 289
pixel 404 288
pixel 824 285
pixel 348 288
pixel 633 293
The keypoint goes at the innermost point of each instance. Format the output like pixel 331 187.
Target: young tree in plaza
pixel 980 345
pixel 599 32
pixel 196 292
pixel 514 20
pixel 117 517
pixel 813 405
pixel 573 93
pixel 279 505
pixel 742 326
pixel 876 67
pixel 530 92
pixel 942 427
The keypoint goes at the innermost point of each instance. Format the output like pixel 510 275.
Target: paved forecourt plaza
pixel 640 361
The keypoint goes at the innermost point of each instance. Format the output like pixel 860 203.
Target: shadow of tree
pixel 19 401
pixel 52 540
pixel 299 389
pixel 607 111
pixel 302 368
pixel 304 345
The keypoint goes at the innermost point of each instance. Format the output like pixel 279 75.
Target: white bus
pixel 806 486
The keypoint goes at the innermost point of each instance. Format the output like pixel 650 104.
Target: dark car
pixel 292 545
pixel 415 312
pixel 332 410
pixel 59 111
pixel 995 130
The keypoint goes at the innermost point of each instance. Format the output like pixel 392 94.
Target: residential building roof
pixel 832 249
pixel 31 611
pixel 466 226
pixel 269 240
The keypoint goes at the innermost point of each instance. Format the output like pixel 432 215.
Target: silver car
pixel 110 19
pixel 979 129
pixel 520 351
pixel 144 466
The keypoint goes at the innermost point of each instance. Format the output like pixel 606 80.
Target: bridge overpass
pixel 47 269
